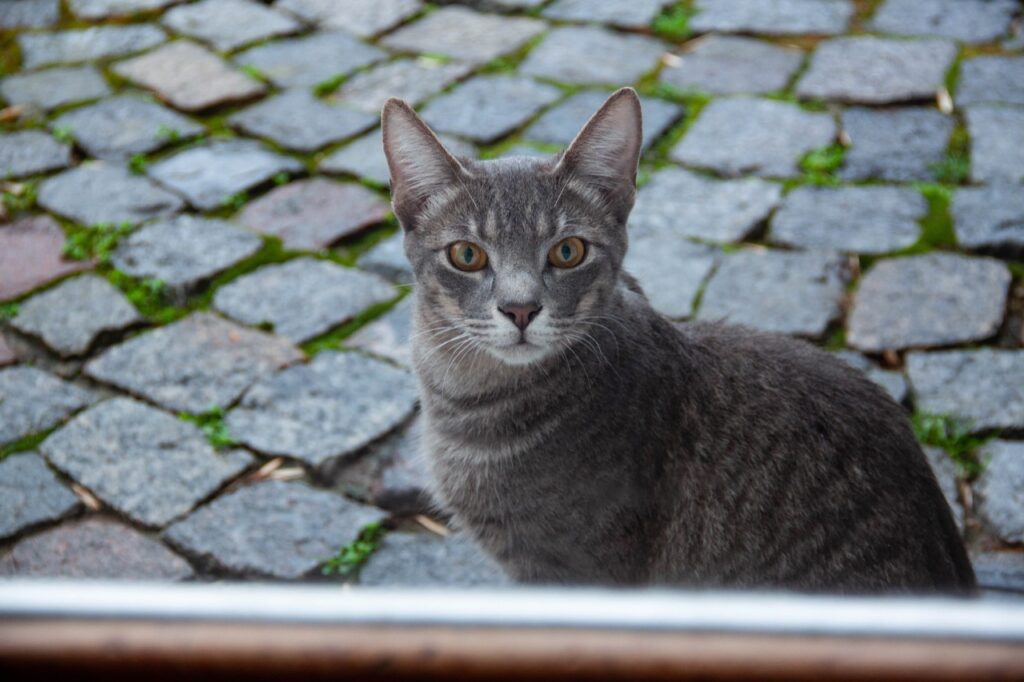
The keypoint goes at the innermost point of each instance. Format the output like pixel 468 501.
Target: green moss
pixel 8 311
pixel 329 85
pixel 166 133
pixel 937 225
pixel 334 339
pixel 836 340
pixel 955 169
pixel 1016 269
pixel 952 435
pixel 138 164
pixel 20 197
pixel 511 62
pixel 63 134
pixel 212 425
pixel 25 444
pixel 673 23
pixel 820 165
pixel 254 72
pixel 352 556
pixel 235 201
pixel 97 241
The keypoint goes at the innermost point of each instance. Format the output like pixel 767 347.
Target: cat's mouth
pixel 522 352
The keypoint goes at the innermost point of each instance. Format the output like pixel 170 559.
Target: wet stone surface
pixel 184 251
pixel 407 79
pixel 780 17
pixel 189 77
pixel 148 465
pixel 990 218
pixel 298 120
pixel 422 560
pixel 489 107
pixel 936 299
pixel 677 202
pixel 894 144
pixel 32 401
pixel 304 62
pixel 30 494
pixel 985 386
pixel 972 21
pixel 94 548
pixel 363 18
pixel 625 13
pixel 31 255
pixel 303 298
pixel 671 271
pixel 273 529
pixel 588 54
pixel 329 408
pixel 997 143
pixel 991 80
pixel 54 88
pixel 30 152
pixel 742 136
pixel 789 293
pixel 209 175
pixel 194 364
pixel 90 44
pixel 227 25
pixel 101 192
pixel 853 219
pixel 313 214
pixel 730 65
pixel 388 336
pixel 126 125
pixel 71 315
pixel 870 70
pixel 1001 490
pixel 365 157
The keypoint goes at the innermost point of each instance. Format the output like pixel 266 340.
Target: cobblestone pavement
pixel 204 299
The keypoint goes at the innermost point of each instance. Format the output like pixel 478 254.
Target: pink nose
pixel 521 314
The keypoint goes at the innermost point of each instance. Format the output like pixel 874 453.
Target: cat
pixel 582 438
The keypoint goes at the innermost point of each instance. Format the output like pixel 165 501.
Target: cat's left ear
pixel 605 154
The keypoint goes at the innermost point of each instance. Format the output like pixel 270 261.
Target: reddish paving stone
pixel 313 214
pixel 30 256
pixel 7 354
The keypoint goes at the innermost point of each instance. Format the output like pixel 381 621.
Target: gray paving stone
pixel 30 494
pixel 408 79
pixel 31 254
pixel 313 214
pixel 227 25
pixel 789 293
pixel 100 192
pixel 945 472
pixel 991 80
pixel 304 62
pixel 1000 489
pixel 670 270
pixel 297 120
pixel 194 364
pixel 364 18
pixel 731 65
pixel 86 45
pixel 427 560
pixel 524 149
pixel 972 21
pixel 389 335
pixel 209 175
pixel 365 157
pixel 899 145
pixel 489 107
pixel 120 127
pixel 780 17
pixel 8 356
pixel 853 219
pixel 936 299
pixel 330 408
pixel 32 401
pixel 997 143
pixel 70 316
pixel 302 298
pixel 29 152
pixel 96 549
pixel 189 77
pixel 894 383
pixel 1000 570
pixel 624 13
pixel 148 465
pixel 984 386
pixel 870 70
pixel 102 9
pixel 464 35
pixel 29 13
pixel 388 260
pixel 184 251
pixel 54 88
pixel 678 203
pixel 272 529
pixel 990 219
pixel 764 137
pixel 505 5
pixel 560 124
pixel 589 54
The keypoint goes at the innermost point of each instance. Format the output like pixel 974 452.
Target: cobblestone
pixel 973 21
pixel 991 80
pixel 30 495
pixel 364 18
pixel 423 560
pixel 33 401
pixel 365 157
pixel 388 336
pixel 560 124
pixel 731 65
pixel 997 143
pixel 304 62
pixel 671 271
pixel 781 17
pixel 101 192
pixel 31 256
pixel 30 152
pixel 29 13
pixel 54 88
pixel 1001 489
pixel 592 55
pixel 489 107
pixel 227 25
pixel 899 144
pixel 298 120
pixel 407 79
pixel 102 9
pixel 90 44
pixel 637 14
pixel 990 218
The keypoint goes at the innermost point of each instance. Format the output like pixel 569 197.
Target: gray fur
pixel 620 448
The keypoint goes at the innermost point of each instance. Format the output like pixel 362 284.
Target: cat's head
pixel 516 257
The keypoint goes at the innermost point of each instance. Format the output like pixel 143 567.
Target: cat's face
pixel 515 257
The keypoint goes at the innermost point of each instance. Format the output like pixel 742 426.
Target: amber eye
pixel 567 253
pixel 467 256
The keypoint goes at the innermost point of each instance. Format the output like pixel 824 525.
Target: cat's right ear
pixel 420 166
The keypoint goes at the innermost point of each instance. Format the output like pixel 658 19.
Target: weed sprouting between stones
pixel 352 556
pixel 952 435
pixel 63 134
pixel 97 241
pixel 167 134
pixel 8 311
pixel 820 165
pixel 212 425
pixel 673 23
pixel 329 85
pixel 19 196
pixel 138 164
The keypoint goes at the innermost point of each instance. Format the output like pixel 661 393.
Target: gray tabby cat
pixel 580 437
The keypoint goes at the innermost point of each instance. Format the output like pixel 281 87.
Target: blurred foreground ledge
pixel 255 631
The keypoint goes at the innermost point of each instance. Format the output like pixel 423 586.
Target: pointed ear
pixel 605 154
pixel 420 166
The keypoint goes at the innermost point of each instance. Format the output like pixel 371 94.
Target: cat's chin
pixel 520 354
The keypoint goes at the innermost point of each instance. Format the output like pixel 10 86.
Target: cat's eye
pixel 467 256
pixel 567 253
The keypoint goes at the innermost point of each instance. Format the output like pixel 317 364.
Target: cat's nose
pixel 521 314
